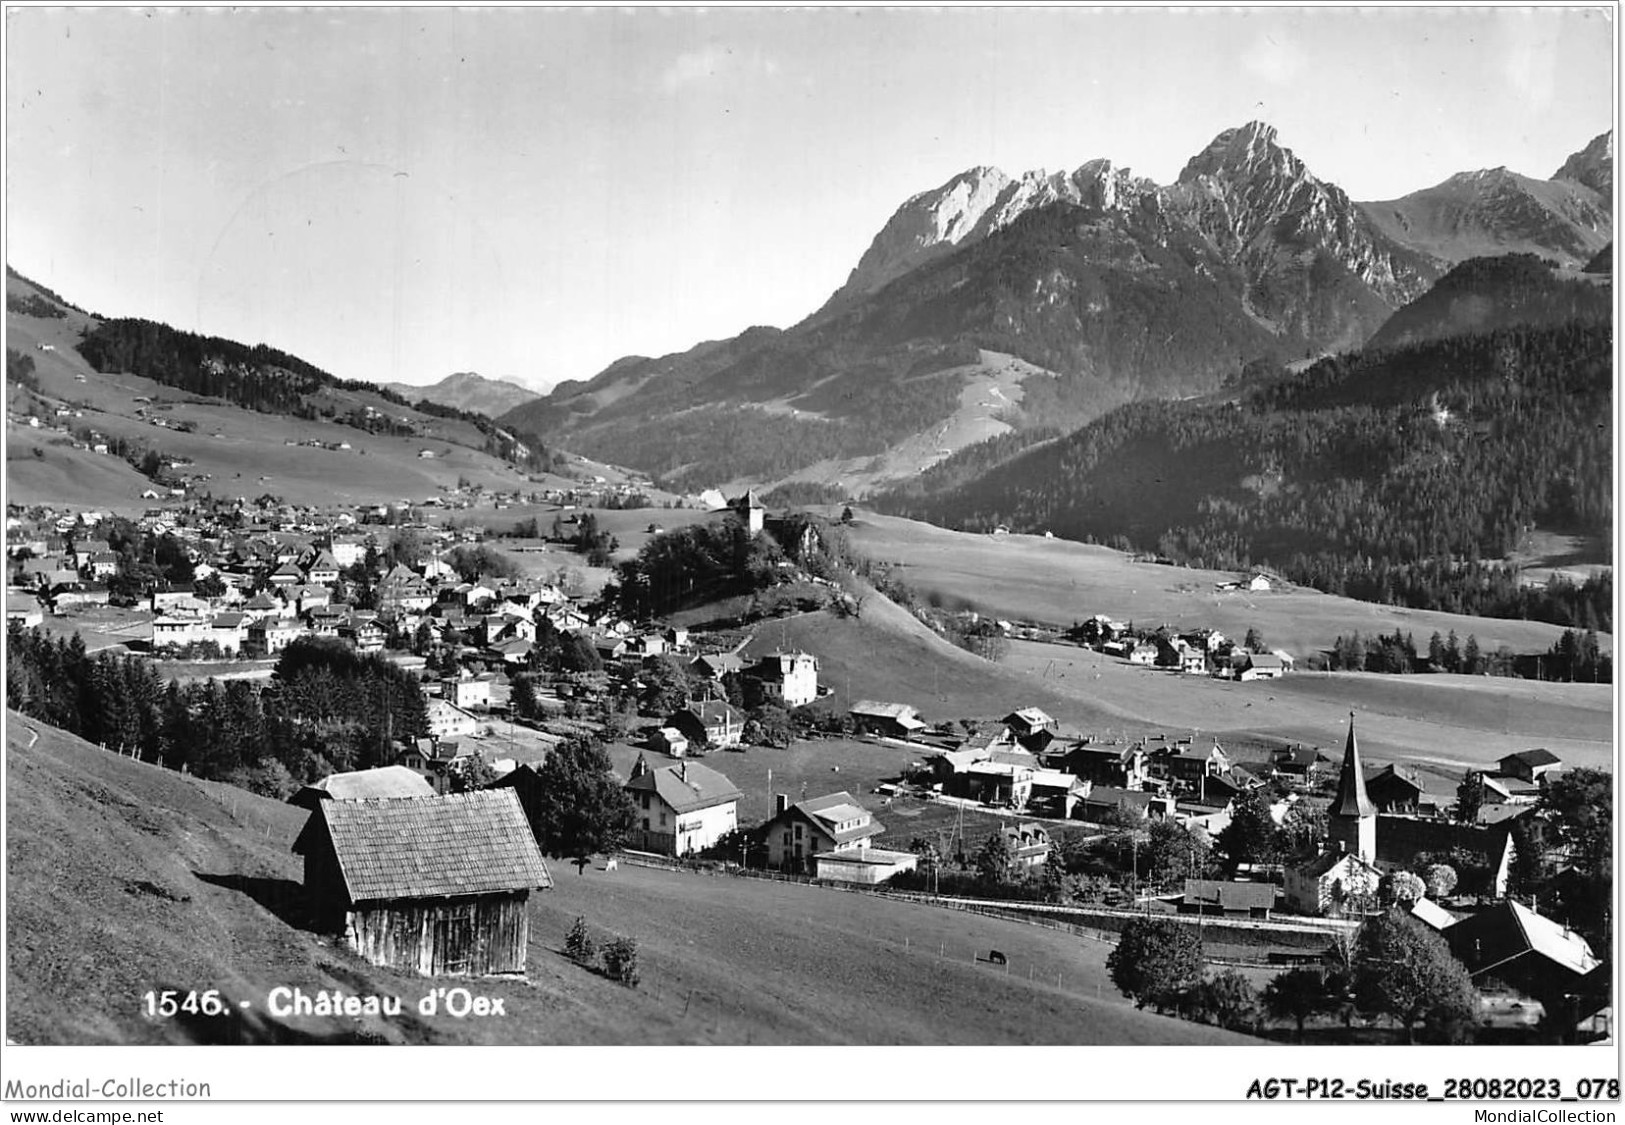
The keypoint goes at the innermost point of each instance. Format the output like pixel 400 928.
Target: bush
pixel 621 961
pixel 578 944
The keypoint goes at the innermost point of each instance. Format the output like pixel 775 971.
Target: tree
pixel 1228 999
pixel 1251 835
pixel 578 943
pixel 1440 879
pixel 621 961
pixel 1470 797
pixel 1405 970
pixel 1156 961
pixel 469 773
pixel 581 809
pixel 1254 641
pixel 1296 995
pixel 1401 888
pixel 1174 853
pixel 1471 662
pixel 993 860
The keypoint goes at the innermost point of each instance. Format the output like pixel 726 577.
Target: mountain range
pixel 1097 287
pixel 467 390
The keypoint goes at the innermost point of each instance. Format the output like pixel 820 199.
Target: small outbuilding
pixel 434 885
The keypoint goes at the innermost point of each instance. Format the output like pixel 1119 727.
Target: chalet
pixel 171 597
pixel 1260 666
pixel 682 809
pixel 889 720
pixel 1302 764
pixel 645 646
pixel 1123 767
pixel 716 665
pixel 1259 584
pixel 708 722
pixel 1031 727
pixel 104 564
pixel 1140 652
pixel 439 886
pixel 1530 766
pixel 386 781
pixel 1514 945
pixel 1229 899
pixel 1400 789
pixel 1331 884
pixel 515 652
pixel 435 760
pixel 286 575
pixel 831 824
pixel 1187 764
pixel 791 678
pixel 1056 793
pixel 306 598
pixel 366 636
pixel 347 550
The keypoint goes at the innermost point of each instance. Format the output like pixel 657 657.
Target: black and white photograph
pixel 821 526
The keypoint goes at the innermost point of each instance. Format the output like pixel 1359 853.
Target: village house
pixel 435 760
pixel 682 809
pixel 1028 844
pixel 1529 766
pixel 887 720
pixel 1106 799
pixel 466 691
pixel 1031 727
pixel 827 825
pixel 1185 764
pixel 439 886
pixel 670 741
pixel 268 636
pixel 1259 666
pixel 1228 899
pixel 229 631
pixel 710 723
pixel 1302 765
pixel 1125 767
pixel 1330 884
pixel 716 665
pixel 1400 789
pixel 751 512
pixel 448 721
pixel 178 632
pixel 790 678
pixel 1512 944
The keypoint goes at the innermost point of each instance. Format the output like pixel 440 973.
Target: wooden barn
pixel 434 885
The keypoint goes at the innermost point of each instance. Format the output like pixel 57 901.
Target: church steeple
pixel 1351 795
pixel 1351 822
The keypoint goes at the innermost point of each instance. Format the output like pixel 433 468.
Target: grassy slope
pixel 123 877
pixel 1056 580
pixel 251 446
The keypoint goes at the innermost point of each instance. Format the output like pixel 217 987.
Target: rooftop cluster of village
pixel 1254 835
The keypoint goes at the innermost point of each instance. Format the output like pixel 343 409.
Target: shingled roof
pixel 430 847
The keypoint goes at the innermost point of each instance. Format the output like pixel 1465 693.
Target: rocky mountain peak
pixel 1244 153
pixel 1593 166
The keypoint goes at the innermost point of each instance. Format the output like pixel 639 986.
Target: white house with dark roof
pixel 681 809
pixel 789 677
pixel 798 834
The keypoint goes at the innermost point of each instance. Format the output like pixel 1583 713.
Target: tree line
pixel 326 709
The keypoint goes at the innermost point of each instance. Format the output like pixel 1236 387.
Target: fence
pixel 1067 919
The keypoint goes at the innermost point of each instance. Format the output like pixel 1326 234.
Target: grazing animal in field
pixel 611 865
pixel 994 957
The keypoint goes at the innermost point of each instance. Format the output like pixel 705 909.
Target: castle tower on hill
pixel 1351 822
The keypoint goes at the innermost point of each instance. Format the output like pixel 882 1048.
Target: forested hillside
pixel 1389 476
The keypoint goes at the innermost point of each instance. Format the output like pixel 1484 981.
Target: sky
pixel 396 194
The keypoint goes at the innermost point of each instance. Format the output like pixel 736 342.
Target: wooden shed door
pixel 454 940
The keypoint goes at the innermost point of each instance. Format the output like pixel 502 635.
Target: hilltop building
pixel 681 809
